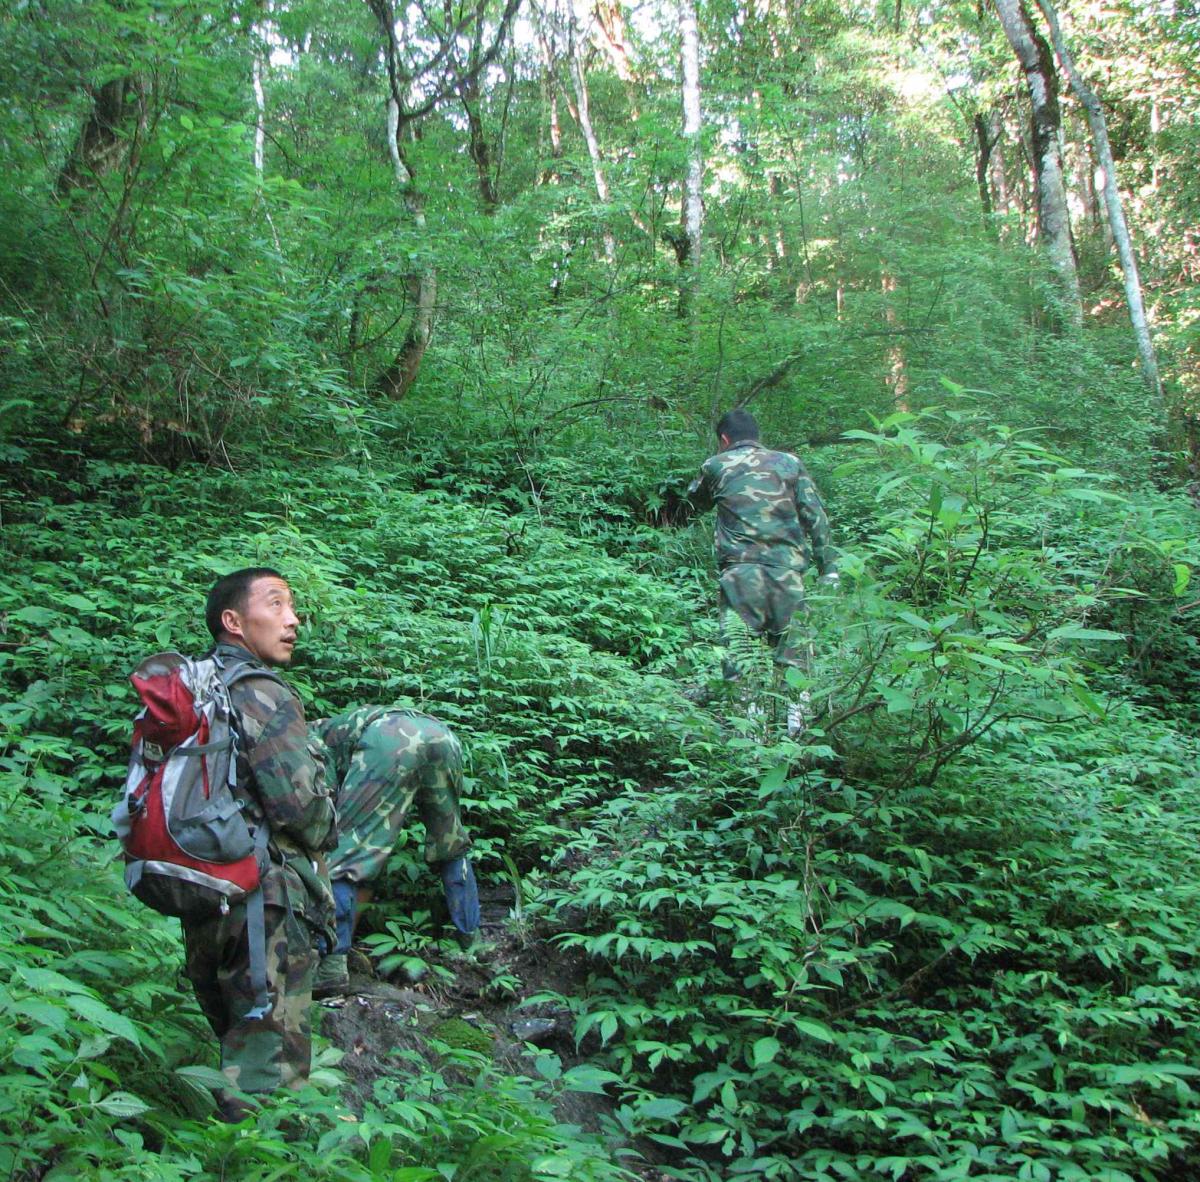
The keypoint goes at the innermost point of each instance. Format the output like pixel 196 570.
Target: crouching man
pixel 385 759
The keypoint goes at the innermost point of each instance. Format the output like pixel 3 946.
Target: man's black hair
pixel 232 591
pixel 737 424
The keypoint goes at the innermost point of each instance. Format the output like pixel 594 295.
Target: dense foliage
pixel 452 374
pixel 948 936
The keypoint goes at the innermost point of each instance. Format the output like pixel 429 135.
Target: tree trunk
pixel 487 155
pixel 1054 225
pixel 260 111
pixel 401 374
pixel 1088 180
pixel 413 92
pixel 777 247
pixel 257 68
pixel 1003 202
pixel 984 143
pixel 693 200
pixel 897 379
pixel 550 81
pixel 99 145
pixel 478 147
pixel 611 37
pixel 547 43
pixel 1112 203
pixel 584 116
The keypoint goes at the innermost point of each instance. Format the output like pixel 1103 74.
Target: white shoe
pixel 798 714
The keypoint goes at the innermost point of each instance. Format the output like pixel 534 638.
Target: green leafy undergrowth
pixel 540 654
pixel 107 1063
pixel 950 934
pixel 990 977
pixel 541 657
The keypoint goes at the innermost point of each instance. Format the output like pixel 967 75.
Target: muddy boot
pixel 333 974
pixel 333 977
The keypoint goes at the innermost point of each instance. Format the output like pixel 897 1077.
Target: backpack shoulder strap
pixel 231 672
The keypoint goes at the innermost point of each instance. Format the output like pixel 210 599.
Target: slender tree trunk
pixel 583 113
pixel 1112 202
pixel 610 35
pixel 547 44
pixel 1054 226
pixel 260 112
pixel 610 26
pixel 260 128
pixel 999 175
pixel 897 379
pixel 584 116
pixel 1155 130
pixel 1087 183
pixel 778 252
pixel 414 91
pixel 478 147
pixel 1026 179
pixel 398 378
pixel 486 155
pixel 693 199
pixel 984 143
pixel 550 82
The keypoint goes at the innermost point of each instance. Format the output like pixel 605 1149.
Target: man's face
pixel 267 623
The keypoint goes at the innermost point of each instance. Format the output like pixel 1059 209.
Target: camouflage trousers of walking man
pixel 763 618
pixel 387 759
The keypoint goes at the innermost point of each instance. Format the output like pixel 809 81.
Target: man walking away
pixel 771 527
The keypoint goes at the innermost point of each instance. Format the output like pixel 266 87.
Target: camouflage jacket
pixel 768 509
pixel 282 778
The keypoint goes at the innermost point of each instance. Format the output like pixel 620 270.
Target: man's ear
pixel 231 622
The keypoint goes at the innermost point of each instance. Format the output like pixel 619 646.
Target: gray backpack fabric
pixel 189 850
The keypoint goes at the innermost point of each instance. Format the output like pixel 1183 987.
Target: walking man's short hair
pixel 737 424
pixel 232 591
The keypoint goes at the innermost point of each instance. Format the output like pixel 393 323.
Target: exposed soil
pixel 484 988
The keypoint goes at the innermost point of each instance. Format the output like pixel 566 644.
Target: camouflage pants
pixel 763 604
pixel 258 1055
pixel 386 759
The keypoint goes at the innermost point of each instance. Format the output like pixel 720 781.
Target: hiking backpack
pixel 189 851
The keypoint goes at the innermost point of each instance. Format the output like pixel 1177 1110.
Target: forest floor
pixel 475 999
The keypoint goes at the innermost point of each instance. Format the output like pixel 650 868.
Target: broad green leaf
pixel 660 1108
pixel 1078 632
pixel 556 1165
pixel 587 1078
pixel 122 1105
pixel 764 1051
pixel 812 1028
pixel 96 1011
